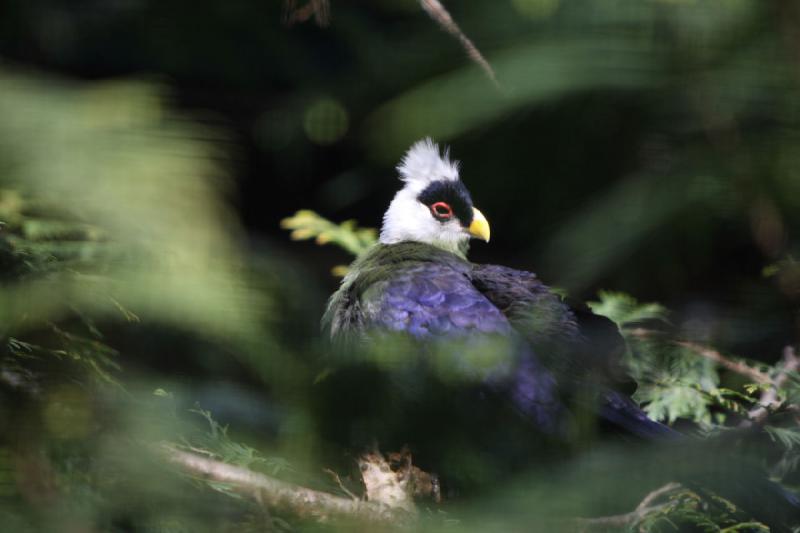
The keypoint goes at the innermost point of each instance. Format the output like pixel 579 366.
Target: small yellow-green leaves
pixel 306 224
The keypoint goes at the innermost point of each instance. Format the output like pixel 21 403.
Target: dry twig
pixel 735 366
pixel 338 481
pixel 645 507
pixel 278 494
pixel 709 353
pixel 319 9
pixel 439 13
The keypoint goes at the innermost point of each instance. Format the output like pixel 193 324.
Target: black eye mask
pixel 452 193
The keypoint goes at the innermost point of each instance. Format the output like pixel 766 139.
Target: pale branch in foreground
pixel 385 485
pixel 390 504
pixel 280 495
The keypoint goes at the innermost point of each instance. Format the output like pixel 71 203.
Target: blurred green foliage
pixel 122 205
pixel 112 214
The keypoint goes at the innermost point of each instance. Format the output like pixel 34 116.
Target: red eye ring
pixel 441 211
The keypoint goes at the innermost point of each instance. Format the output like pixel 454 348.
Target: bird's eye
pixel 441 211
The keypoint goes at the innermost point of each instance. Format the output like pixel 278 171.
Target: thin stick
pixel 439 13
pixel 656 494
pixel 338 481
pixel 319 9
pixel 769 398
pixel 644 508
pixel 730 364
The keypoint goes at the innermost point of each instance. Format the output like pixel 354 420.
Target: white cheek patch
pixel 408 219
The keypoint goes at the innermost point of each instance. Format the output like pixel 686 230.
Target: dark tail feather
pixel 715 468
pixel 624 413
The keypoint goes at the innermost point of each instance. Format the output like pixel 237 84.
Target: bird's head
pixel 433 207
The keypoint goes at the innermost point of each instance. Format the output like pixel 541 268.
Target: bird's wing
pixel 433 295
pixel 413 288
pixel 430 299
pixel 436 300
pixel 582 350
pixel 570 339
pixel 532 307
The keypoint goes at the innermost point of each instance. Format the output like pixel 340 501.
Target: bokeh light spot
pixel 325 121
pixel 536 9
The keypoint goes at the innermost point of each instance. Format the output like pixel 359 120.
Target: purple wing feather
pixel 432 300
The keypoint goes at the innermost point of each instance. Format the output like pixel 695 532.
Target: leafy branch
pixel 306 224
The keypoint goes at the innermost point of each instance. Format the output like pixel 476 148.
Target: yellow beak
pixel 479 227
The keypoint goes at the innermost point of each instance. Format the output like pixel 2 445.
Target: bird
pixel 442 354
pixel 418 281
pixel 483 359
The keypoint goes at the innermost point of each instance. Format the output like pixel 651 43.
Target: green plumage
pixel 345 311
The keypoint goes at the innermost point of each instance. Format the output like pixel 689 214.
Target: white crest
pixel 424 163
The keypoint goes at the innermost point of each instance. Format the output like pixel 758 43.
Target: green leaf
pixel 307 224
pixel 787 437
pixel 625 310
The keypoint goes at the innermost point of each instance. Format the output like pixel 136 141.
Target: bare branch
pixel 319 9
pixel 645 507
pixel 279 494
pixel 656 494
pixel 338 481
pixel 769 397
pixel 735 366
pixel 439 13
pixel 710 353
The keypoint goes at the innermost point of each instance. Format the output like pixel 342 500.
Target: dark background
pixel 659 159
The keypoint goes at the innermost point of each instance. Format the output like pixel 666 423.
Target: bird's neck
pixel 458 248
